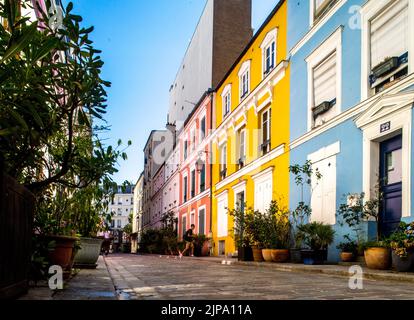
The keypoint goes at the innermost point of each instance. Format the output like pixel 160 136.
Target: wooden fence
pixel 16 220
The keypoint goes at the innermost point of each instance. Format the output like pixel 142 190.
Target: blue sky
pixel 143 43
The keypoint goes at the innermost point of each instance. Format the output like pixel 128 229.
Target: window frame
pixel 244 72
pixel 323 52
pixel 316 19
pixel 226 101
pixel 203 134
pixel 193 188
pixel 368 13
pixel 268 111
pixel 269 40
pixel 185 188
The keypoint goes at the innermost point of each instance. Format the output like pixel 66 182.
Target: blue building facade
pixel 352 95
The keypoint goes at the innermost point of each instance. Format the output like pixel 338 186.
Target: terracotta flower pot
pixel 267 255
pixel 257 255
pixel 61 255
pixel 280 255
pixel 378 258
pixel 347 257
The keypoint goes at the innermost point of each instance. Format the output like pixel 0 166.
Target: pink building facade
pixel 194 142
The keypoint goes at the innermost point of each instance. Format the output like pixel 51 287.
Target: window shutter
pixel 323 201
pixel 222 218
pixel 201 217
pixel 324 80
pixel 389 33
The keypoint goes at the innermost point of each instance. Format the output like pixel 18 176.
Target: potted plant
pixel 241 237
pixel 281 228
pixel 377 253
pixel 303 178
pixel 254 230
pixel 317 237
pixel 402 245
pixel 89 214
pixel 54 226
pixel 200 245
pixel 349 249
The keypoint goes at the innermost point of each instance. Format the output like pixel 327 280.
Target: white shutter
pixel 258 197
pixel 263 193
pixel 323 202
pixel 222 219
pixel 389 33
pixel 324 80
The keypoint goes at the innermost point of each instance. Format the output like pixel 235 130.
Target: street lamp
pixel 200 163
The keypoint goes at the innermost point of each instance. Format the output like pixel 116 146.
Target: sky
pixel 143 43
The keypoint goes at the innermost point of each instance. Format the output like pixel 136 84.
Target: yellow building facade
pixel 251 136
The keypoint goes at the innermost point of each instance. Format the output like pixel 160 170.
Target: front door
pixel 391 184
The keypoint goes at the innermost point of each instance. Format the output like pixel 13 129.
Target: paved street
pixel 152 277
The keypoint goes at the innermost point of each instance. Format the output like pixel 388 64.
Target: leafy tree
pixel 52 97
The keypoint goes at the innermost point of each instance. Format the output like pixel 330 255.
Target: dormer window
pixel 226 100
pixel 268 47
pixel 244 80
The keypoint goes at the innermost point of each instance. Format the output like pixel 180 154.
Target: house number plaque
pixel 385 127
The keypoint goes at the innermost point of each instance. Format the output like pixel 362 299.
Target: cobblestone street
pixel 152 277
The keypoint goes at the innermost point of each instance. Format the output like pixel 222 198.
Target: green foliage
pixel 303 175
pixel 240 235
pixel 51 94
pixel 317 236
pixel 348 245
pixel 358 209
pixel 402 241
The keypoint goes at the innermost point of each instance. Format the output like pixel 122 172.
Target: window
pixel 244 84
pixel 241 139
pixel 203 179
pixel 323 201
pixel 266 130
pixel 193 139
pixel 324 81
pixel 183 225
pixel 240 200
pixel 269 58
pixel 222 216
pixel 201 221
pixel 185 149
pixel 389 43
pixel 223 161
pixel 113 224
pixel 120 200
pixel 193 183
pixel 226 104
pixel 192 218
pixel 119 223
pixel 324 90
pixel 185 189
pixel 202 128
pixel 119 212
pixel 321 8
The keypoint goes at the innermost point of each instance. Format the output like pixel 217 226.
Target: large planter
pixel 267 255
pixel 403 264
pixel 61 254
pixel 126 247
pixel 280 255
pixel 296 256
pixel 88 254
pixel 347 257
pixel 378 258
pixel 313 257
pixel 245 254
pixel 257 255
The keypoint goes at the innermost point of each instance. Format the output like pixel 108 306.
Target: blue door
pixel 391 185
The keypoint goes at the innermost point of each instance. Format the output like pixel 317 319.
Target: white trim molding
pixel 270 37
pixel 397 110
pixel 315 28
pixel 369 11
pixel 275 153
pixel 332 44
pixel 325 152
pixel 352 112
